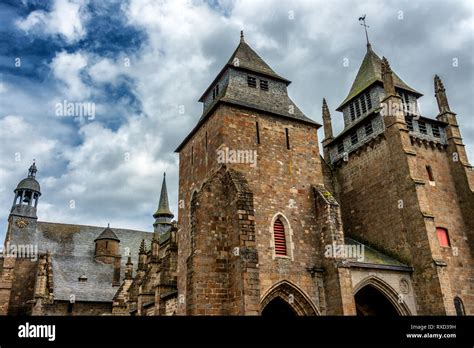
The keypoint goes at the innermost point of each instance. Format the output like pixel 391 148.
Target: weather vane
pixel 362 19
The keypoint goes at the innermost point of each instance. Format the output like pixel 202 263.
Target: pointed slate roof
pixel 107 234
pixel 370 71
pixel 163 206
pixel 245 57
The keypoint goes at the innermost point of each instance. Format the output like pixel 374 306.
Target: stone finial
pixel 242 36
pixel 387 78
pixel 440 94
pixel 326 121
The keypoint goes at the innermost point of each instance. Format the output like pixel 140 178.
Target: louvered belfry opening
pixel 279 235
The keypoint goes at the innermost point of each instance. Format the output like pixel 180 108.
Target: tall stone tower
pixel 250 241
pixel 405 185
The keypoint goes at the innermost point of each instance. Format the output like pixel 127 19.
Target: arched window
pixel 443 237
pixel 459 306
pixel 280 238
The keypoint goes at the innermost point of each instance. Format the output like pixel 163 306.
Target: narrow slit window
pixel 368 129
pixel 458 305
pixel 429 171
pixel 192 155
pixel 368 100
pixel 435 129
pixel 351 108
pixel 287 139
pixel 354 138
pixel 257 130
pixel 409 122
pixel 422 127
pixel 357 107
pixel 362 103
pixel 264 85
pixel 206 141
pixel 279 238
pixel 340 147
pixel 406 101
pixel 251 81
pixel 443 237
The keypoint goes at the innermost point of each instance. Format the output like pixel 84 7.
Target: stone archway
pixel 373 296
pixel 285 299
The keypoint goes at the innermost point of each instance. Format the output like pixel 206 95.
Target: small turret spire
pixel 327 121
pixel 163 206
pixel 440 94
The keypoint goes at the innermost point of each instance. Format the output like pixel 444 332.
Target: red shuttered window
pixel 443 237
pixel 279 236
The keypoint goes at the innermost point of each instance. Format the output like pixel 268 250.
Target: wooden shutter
pixel 442 237
pixel 279 236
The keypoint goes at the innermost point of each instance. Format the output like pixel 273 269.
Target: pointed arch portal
pixel 375 297
pixel 285 299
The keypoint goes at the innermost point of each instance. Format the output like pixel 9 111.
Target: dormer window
pixel 435 129
pixel 351 108
pixel 409 122
pixel 252 81
pixel 264 85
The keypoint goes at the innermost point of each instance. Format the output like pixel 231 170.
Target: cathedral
pixel 380 224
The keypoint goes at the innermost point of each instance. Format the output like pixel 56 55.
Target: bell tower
pixel 27 195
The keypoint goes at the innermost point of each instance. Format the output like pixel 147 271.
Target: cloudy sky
pixel 144 64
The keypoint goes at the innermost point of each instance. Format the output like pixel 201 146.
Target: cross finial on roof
pixel 242 36
pixel 362 19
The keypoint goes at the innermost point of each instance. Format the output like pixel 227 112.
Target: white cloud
pixel 21 143
pixel 67 67
pixel 105 71
pixel 65 19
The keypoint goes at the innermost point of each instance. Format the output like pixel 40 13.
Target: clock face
pixel 21 223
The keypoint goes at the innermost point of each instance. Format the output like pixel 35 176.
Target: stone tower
pixel 250 170
pixel 405 185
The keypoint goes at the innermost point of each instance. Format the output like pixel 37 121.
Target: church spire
pixel 163 214
pixel 163 206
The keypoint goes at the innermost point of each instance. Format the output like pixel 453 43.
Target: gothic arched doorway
pixel 285 299
pixel 370 301
pixel 278 308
